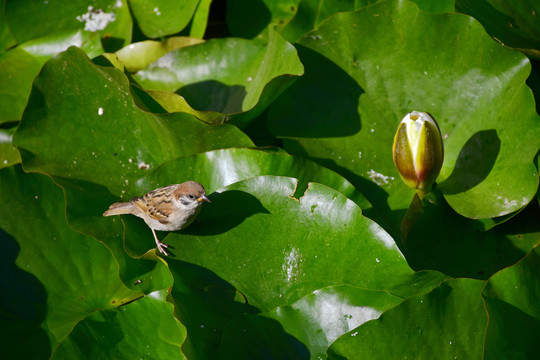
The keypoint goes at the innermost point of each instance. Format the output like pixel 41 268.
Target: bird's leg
pixel 161 246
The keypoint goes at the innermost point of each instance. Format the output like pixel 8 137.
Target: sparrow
pixel 169 208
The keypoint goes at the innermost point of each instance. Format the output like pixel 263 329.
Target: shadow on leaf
pixel 323 103
pixel 213 95
pixel 227 211
pixel 474 163
pixel 23 308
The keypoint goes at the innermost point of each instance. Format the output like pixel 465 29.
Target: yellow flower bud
pixel 418 151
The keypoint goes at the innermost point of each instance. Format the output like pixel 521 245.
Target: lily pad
pixel 8 154
pixel 144 328
pixel 250 74
pixel 361 91
pixel 510 296
pixel 138 56
pixel 57 276
pixel 444 241
pixel 513 24
pixel 17 70
pixel 66 133
pixel 454 328
pixel 6 39
pixel 200 19
pixel 294 18
pixel 158 18
pixel 270 13
pixel 84 104
pixel 257 247
pixel 31 19
pixel 319 318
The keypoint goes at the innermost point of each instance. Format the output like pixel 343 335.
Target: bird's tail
pixel 119 208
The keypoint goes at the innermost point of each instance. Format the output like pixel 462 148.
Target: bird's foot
pixel 161 247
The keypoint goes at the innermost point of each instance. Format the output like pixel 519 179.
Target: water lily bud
pixel 418 151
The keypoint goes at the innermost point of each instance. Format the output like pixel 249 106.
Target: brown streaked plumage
pixel 168 208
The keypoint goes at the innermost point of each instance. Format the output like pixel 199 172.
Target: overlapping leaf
pixel 158 18
pixel 31 19
pixel 8 154
pixel 449 322
pixel 294 18
pixel 66 132
pixel 257 247
pixel 443 240
pixel 57 276
pixel 511 301
pixel 514 24
pixel 315 321
pixel 274 268
pixel 361 91
pixel 228 76
pixel 17 70
pixel 144 328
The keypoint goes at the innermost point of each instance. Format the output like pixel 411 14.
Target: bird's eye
pixel 191 196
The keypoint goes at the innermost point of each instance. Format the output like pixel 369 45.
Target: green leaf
pixel 17 70
pixel 443 6
pixel 294 18
pixel 66 133
pixel 31 19
pixel 45 47
pixel 258 241
pixel 511 301
pixel 158 18
pixel 297 240
pixel 72 112
pixel 200 19
pixel 442 240
pixel 248 337
pixel 319 318
pixel 8 153
pixel 270 13
pixel 360 90
pixel 514 24
pixel 248 76
pixel 145 328
pixel 138 56
pixel 309 325
pixel 6 39
pixel 57 276
pixel 449 323
pixel 311 13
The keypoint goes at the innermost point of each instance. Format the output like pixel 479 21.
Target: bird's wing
pixel 157 203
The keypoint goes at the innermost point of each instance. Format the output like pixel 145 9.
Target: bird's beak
pixel 204 198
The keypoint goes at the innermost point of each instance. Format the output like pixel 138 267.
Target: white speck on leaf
pixel 95 20
pixel 100 111
pixel 379 178
pixel 143 165
pixel 290 266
